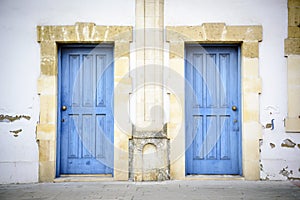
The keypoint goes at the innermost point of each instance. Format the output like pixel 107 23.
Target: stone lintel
pixel 214 32
pixel 84 32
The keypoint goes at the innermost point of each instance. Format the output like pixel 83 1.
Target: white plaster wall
pixel 19 56
pixel 20 69
pixel 272 15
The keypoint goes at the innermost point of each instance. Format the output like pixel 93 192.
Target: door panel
pixel 86 137
pixel 212 133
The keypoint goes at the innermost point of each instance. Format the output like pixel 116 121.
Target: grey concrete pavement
pixel 174 190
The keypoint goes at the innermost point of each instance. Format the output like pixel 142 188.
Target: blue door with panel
pixel 212 114
pixel 86 110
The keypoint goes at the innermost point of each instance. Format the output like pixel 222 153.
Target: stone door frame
pixel 81 33
pixel 218 33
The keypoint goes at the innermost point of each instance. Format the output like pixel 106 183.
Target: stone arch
pixel 150 162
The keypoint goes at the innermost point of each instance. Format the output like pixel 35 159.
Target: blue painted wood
pixel 86 128
pixel 212 87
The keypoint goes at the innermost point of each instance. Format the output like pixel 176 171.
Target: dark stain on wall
pixel 9 118
pixel 272 145
pixel 16 132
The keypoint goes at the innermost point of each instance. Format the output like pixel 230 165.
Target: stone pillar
pixel 292 52
pixel 149 60
pixel 149 138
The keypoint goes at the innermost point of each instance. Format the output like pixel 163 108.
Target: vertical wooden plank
pixel 189 81
pixel 188 111
pixel 64 151
pixel 211 80
pixel 87 135
pixel 101 80
pixel 224 71
pixel 73 136
pixel 211 137
pixel 197 79
pixel 198 137
pixel 75 79
pixel 100 130
pixel 109 85
pixel 88 80
pixel 225 137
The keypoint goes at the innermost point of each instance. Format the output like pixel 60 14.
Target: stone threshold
pixel 214 177
pixel 83 178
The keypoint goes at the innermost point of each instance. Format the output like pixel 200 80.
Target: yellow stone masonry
pixel 292 52
pixel 214 32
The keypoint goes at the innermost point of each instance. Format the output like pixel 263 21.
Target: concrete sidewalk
pixel 155 190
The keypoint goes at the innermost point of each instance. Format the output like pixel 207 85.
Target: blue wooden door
pixel 86 110
pixel 212 110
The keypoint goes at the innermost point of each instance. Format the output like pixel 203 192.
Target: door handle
pixel 64 108
pixel 234 108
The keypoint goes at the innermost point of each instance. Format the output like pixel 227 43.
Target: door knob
pixel 234 108
pixel 64 108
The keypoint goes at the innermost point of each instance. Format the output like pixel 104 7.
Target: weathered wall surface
pixel 278 162
pixel 20 69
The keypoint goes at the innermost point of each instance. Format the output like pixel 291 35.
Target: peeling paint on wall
pixel 288 143
pixel 9 118
pixel 16 132
pixel 285 172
